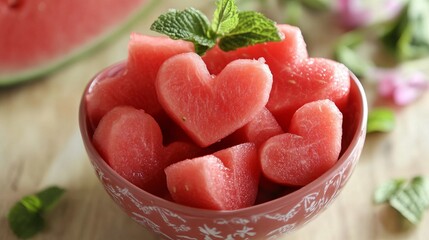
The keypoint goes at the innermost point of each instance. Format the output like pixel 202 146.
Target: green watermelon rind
pixel 79 52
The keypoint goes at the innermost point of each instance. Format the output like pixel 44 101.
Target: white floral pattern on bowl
pixel 177 226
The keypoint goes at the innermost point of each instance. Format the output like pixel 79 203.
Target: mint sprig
pixel 408 35
pixel 26 216
pixel 347 52
pixel 232 28
pixel 380 120
pixel 409 198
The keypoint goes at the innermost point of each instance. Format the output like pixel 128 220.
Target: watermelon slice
pixel 310 148
pixel 278 55
pixel 130 141
pixel 243 160
pixel 40 36
pixel 202 182
pixel 181 150
pixel 208 107
pixel 262 127
pixel 135 85
pixel 225 180
pixel 309 80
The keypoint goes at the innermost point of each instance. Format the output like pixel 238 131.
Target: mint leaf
pixel 49 197
pixel 26 216
pixel 225 17
pixel 387 190
pixel 421 186
pixel 252 28
pixel 234 29
pixel 408 34
pixel 380 120
pixel 189 25
pixel 24 222
pixel 409 198
pixel 317 4
pixel 347 53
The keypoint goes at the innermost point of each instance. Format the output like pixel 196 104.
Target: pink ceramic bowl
pixel 268 220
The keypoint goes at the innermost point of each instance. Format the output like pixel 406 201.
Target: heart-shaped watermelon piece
pixel 209 107
pixel 310 148
pixel 225 180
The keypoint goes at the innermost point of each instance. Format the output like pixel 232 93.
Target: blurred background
pixel 385 43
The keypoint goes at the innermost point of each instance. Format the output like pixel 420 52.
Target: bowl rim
pixel 273 204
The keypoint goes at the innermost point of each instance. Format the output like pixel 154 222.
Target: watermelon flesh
pixel 202 182
pixel 297 79
pixel 262 127
pixel 310 148
pixel 135 86
pixel 38 36
pixel 180 150
pixel 243 160
pixel 209 108
pixel 309 80
pixel 130 141
pixel 278 55
pixel 225 180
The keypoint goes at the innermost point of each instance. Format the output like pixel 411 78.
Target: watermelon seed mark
pixel 187 188
pixel 321 81
pixel 174 189
pixel 286 69
pixel 184 118
pixel 292 81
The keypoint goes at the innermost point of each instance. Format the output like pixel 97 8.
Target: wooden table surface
pixel 40 146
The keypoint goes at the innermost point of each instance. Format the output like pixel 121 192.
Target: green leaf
pixel 346 52
pixel 24 222
pixel 189 25
pixel 387 190
pixel 408 35
pixel 25 217
pixel 410 198
pixel 49 197
pixel 252 28
pixel 317 4
pixel 380 120
pixel 421 185
pixel 225 17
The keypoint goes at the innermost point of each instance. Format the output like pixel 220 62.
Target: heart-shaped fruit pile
pixel 203 131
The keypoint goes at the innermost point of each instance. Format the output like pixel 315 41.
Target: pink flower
pixel 401 86
pixel 352 13
pixel 357 13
